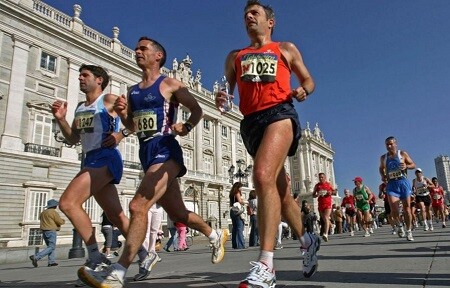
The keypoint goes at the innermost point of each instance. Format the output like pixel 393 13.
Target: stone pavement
pixel 380 260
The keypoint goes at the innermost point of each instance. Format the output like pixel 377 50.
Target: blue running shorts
pixel 159 150
pixel 399 188
pixel 109 157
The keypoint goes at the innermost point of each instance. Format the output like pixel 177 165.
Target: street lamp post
pixel 77 250
pixel 241 174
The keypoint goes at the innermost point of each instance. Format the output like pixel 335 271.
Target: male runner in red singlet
pixel 270 131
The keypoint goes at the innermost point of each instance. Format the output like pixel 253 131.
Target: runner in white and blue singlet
pixel 393 171
pixel 96 125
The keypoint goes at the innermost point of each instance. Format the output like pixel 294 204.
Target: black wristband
pixel 188 126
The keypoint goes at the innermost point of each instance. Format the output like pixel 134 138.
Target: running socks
pixel 266 257
pixel 213 236
pixel 94 254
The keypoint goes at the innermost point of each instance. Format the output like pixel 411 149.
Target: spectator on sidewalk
pixel 50 223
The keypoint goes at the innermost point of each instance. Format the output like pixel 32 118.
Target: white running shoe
pixel 278 246
pixel 218 247
pixel 310 262
pixel 393 232
pixel 105 278
pixel 367 234
pixel 352 233
pixel 409 236
pixel 425 228
pixel 145 267
pixel 260 276
pixel 325 237
pixel 371 230
pixel 431 227
pixel 401 232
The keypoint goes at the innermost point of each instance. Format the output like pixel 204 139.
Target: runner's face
pixel 145 53
pixel 391 146
pixel 88 82
pixel 322 178
pixel 255 19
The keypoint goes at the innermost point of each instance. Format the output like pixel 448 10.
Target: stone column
pixel 218 147
pixel 10 138
pixel 198 146
pixel 73 88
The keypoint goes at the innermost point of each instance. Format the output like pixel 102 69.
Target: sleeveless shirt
pixel 263 78
pixel 153 115
pixel 95 123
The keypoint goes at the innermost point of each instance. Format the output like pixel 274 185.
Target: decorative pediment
pixel 188 146
pixel 39 105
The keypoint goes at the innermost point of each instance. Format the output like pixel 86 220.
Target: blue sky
pixel 381 68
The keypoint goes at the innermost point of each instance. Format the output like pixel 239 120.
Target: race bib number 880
pixel 259 67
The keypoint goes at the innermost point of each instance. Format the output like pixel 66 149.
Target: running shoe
pixel 393 232
pixel 218 247
pixel 371 230
pixel 401 232
pixel 260 277
pixel 425 228
pixel 367 234
pixel 93 265
pixel 431 227
pixel 310 262
pixel 145 267
pixel 443 225
pixel 409 236
pixel 278 246
pixel 325 237
pixel 352 233
pixel 102 278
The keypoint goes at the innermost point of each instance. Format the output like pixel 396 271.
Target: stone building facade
pixel 41 50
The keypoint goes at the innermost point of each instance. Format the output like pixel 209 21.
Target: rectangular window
pixel 187 156
pixel 213 209
pixel 93 209
pixel 42 130
pixel 130 149
pixel 208 164
pixel 225 131
pixel 225 166
pixel 48 62
pixel 185 115
pixel 35 237
pixel 38 201
pixel 206 124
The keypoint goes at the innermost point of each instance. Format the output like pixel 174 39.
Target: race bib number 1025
pixel 259 67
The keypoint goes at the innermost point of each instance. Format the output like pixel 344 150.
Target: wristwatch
pixel 188 126
pixel 125 132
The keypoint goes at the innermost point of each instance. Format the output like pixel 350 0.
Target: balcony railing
pixel 42 149
pixel 132 165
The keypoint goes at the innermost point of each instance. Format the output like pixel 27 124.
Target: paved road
pixel 380 260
